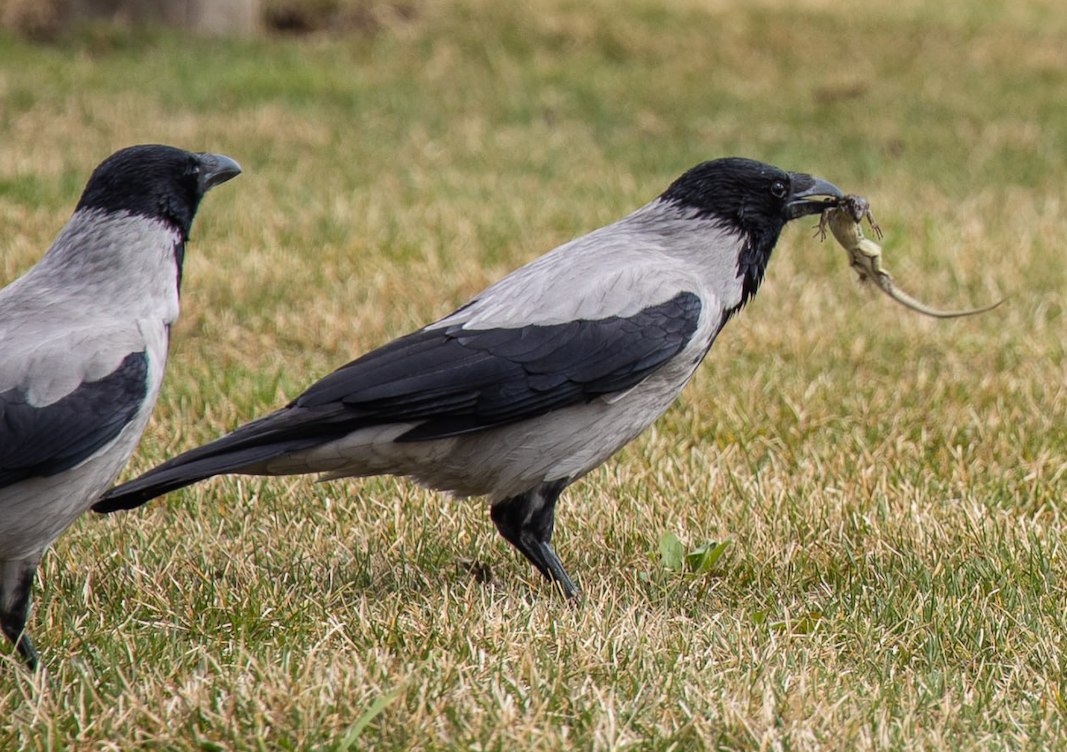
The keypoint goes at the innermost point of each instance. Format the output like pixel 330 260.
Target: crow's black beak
pixel 216 169
pixel 810 195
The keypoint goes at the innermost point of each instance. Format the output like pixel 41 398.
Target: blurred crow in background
pixel 83 345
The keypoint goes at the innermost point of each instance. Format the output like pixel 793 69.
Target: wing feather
pixel 456 380
pixel 40 441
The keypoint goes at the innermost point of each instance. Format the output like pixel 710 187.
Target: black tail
pixel 287 430
pixel 178 473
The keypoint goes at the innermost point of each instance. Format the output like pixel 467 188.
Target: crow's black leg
pixel 16 582
pixel 526 522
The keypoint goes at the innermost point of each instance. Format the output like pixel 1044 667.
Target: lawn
pixel 892 489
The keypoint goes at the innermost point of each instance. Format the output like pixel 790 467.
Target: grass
pixel 892 488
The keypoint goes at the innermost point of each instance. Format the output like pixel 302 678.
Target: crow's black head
pixel 756 197
pixel 157 182
pixel 753 199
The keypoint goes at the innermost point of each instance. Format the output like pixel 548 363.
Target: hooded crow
pixel 543 375
pixel 83 345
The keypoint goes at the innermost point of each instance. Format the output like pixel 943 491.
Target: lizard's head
pixel 855 206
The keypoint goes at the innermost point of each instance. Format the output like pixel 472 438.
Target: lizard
pixel 844 219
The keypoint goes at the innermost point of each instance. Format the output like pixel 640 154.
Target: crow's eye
pixel 778 189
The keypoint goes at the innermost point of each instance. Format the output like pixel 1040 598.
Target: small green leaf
pixel 671 551
pixel 702 558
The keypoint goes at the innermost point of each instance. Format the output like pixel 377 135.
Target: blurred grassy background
pixel 892 487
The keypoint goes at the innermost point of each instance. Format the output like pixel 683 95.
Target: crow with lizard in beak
pixel 542 376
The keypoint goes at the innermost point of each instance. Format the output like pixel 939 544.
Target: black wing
pixel 454 381
pixel 447 381
pixel 43 441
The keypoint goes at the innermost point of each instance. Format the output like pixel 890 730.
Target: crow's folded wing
pixel 42 440
pixel 443 381
pixel 451 381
